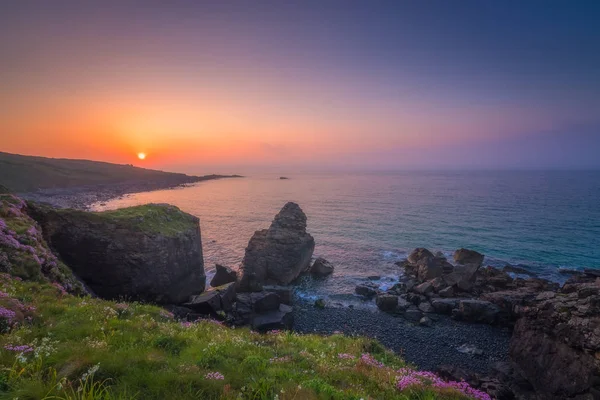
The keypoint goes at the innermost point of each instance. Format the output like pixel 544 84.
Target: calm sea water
pixel 363 223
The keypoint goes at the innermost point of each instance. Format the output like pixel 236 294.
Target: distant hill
pixel 23 174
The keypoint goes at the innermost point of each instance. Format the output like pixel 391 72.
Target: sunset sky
pixel 217 85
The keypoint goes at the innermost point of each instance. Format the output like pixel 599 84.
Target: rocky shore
pixel 511 336
pixel 82 197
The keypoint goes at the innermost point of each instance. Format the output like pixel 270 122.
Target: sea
pixel 545 221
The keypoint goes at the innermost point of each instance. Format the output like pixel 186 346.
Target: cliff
pixel 151 252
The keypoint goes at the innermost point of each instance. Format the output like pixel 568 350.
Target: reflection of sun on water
pixel 141 156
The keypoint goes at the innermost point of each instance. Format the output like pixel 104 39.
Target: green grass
pixel 27 173
pixel 89 348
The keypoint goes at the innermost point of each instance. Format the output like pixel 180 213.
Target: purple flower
pixel 7 314
pixel 19 349
pixel 370 360
pixel 345 356
pixel 214 376
pixel 60 287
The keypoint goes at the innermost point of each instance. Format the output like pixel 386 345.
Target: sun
pixel 141 156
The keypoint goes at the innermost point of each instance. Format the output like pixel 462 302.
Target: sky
pixel 222 85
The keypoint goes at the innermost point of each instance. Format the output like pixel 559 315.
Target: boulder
pixel 419 255
pixel 320 303
pixel 463 276
pixel 278 255
pixel 151 253
pixel 265 301
pixel 223 275
pixel 213 300
pixel 321 268
pixel 402 305
pixel 282 318
pixel 432 268
pixel 365 290
pixel 426 307
pixel 285 293
pixel 466 256
pixel 387 302
pixel 476 311
pixel 444 306
pixel 425 321
pixel 424 288
pixel 413 314
pixel 447 292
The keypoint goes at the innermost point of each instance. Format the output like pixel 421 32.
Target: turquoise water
pixel 363 223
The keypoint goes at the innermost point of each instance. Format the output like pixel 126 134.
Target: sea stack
pixel 278 255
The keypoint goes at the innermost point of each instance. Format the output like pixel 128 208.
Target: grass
pixel 26 173
pixel 159 218
pixel 86 348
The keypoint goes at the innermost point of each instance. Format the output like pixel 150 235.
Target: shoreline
pixel 428 348
pixel 83 197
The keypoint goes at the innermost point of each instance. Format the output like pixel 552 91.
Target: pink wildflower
pixel 20 349
pixel 214 376
pixel 370 360
pixel 345 356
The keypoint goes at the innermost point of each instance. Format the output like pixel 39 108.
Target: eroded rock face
pixel 556 342
pixel 466 256
pixel 278 255
pixel 151 253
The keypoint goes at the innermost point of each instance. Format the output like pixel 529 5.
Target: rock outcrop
pixel 223 275
pixel 278 255
pixel 321 268
pixel 556 342
pixel 151 253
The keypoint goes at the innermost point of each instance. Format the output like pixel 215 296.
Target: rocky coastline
pixel 82 197
pixel 512 337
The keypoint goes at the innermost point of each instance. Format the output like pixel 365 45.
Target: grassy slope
pixel 134 351
pixel 25 173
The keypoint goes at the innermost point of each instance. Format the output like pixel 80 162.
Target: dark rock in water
pixel 214 300
pixel 283 318
pixel 466 256
pixel 283 177
pixel 425 321
pixel 420 255
pixel 320 303
pixel 387 302
pixel 278 255
pixel 151 253
pixel 321 268
pixel 556 343
pixel 223 275
pixel 365 290
pixel 476 311
pixel 592 272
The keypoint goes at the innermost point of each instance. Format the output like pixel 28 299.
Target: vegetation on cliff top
pixel 23 251
pixel 26 173
pixel 58 346
pixel 161 219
